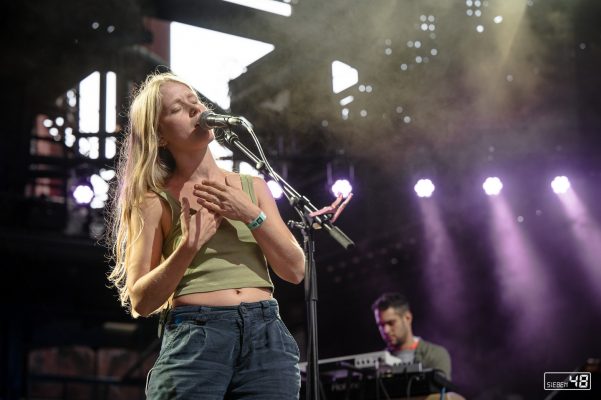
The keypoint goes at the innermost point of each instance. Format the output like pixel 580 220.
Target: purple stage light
pixel 443 276
pixel 492 186
pixel 342 186
pixel 560 184
pixel 525 287
pixel 424 188
pixel 83 194
pixel 275 189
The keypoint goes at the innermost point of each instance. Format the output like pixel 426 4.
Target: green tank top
pixel 231 259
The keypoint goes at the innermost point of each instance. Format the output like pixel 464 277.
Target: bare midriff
pixel 226 297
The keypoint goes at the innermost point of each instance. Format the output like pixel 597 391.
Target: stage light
pixel 560 184
pixel 492 186
pixel 101 188
pixel 83 194
pixel 342 186
pixel 424 188
pixel 347 100
pixel 69 137
pixel 110 147
pixel 345 113
pixel 107 174
pixel 89 147
pixel 275 189
pixel 343 76
pixel 275 7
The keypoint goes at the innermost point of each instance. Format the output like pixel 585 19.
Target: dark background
pixel 519 100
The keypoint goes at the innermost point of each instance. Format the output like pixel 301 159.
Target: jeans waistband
pixel 265 308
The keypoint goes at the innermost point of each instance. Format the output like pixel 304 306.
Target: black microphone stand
pixel 307 226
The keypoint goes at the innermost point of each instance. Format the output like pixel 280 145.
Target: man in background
pixel 394 318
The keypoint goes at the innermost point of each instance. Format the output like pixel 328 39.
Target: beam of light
pixel 275 189
pixel 524 285
pixel 512 14
pixel 89 103
pixel 560 184
pixel 492 186
pixel 342 186
pixel 110 119
pixel 487 76
pixel 274 7
pixel 443 275
pixel 424 188
pixel 587 239
pixel 189 46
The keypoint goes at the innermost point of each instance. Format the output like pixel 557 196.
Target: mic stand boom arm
pixel 308 224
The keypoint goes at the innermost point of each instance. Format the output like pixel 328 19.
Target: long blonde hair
pixel 143 167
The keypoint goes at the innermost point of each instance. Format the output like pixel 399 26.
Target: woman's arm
pixel 277 242
pixel 150 283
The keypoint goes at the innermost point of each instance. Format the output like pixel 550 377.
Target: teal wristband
pixel 254 224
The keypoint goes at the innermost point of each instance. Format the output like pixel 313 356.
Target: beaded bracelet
pixel 254 224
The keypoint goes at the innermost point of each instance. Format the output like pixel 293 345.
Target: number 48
pixel 579 380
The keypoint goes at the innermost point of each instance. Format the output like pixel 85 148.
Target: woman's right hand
pixel 197 228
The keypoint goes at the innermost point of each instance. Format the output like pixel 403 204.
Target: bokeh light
pixel 342 186
pixel 492 186
pixel 560 184
pixel 424 188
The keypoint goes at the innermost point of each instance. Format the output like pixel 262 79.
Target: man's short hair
pixel 396 300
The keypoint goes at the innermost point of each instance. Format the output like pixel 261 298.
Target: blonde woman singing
pixel 189 234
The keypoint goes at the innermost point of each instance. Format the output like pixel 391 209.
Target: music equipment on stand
pixel 375 376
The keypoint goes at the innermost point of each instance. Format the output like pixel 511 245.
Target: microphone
pixel 210 120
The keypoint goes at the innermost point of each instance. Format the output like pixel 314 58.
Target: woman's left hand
pixel 227 200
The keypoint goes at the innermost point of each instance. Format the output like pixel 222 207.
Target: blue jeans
pixel 232 352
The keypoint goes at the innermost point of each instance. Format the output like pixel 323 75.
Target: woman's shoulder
pixel 238 176
pixel 241 180
pixel 155 211
pixel 152 203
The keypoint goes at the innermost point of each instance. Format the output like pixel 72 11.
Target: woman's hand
pixel 226 200
pixel 197 226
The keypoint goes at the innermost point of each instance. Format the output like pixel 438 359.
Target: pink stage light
pixel 560 184
pixel 424 188
pixel 83 194
pixel 492 186
pixel 342 186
